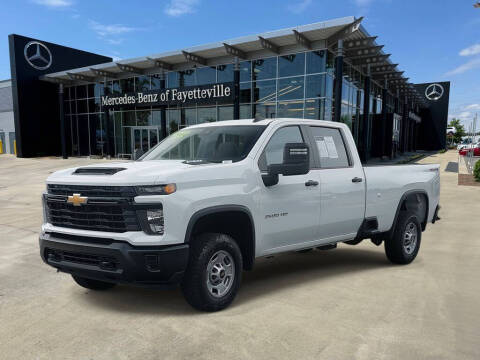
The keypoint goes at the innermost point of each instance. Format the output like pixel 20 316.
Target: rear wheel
pixel 92 284
pixel 214 272
pixel 403 246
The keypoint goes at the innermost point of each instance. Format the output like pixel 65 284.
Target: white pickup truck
pixel 198 208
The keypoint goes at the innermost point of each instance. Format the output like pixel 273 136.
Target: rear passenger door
pixel 342 185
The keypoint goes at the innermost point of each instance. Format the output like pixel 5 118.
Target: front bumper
pixel 114 261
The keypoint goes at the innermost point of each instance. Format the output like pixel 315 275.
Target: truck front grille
pixel 107 208
pixel 94 191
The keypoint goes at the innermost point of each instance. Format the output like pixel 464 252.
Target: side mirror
pixel 296 161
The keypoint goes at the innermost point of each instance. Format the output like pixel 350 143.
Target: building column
pixel 62 121
pixel 366 115
pixel 236 92
pixel 412 136
pixel 404 127
pixel 384 116
pixel 106 114
pixel 397 102
pixel 337 107
pixel 163 109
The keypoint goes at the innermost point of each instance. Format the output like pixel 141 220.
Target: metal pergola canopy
pixel 360 49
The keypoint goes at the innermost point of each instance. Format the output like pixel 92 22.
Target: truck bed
pixel 385 186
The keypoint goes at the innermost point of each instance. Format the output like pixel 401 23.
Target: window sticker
pixel 326 147
pixel 332 150
pixel 322 148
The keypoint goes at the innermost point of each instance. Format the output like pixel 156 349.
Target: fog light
pixel 152 263
pixel 155 221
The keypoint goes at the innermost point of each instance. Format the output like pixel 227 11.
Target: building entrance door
pixel 143 139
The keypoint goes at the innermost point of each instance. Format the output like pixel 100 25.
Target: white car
pixel 467 144
pixel 202 205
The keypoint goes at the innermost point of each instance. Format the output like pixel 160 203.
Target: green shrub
pixel 476 170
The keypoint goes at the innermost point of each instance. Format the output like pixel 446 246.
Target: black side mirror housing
pixel 296 161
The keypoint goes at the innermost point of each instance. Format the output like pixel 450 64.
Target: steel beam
pixel 359 43
pixel 104 73
pixel 343 33
pixel 190 57
pixel 364 52
pixel 231 50
pixel 391 75
pixel 302 40
pixel 57 80
pixel 370 59
pixel 383 69
pixel 80 77
pixel 130 69
pixel 160 64
pixel 268 45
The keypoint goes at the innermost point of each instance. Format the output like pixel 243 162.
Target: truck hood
pixel 124 173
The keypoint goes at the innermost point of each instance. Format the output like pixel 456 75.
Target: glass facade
pixel 297 85
pixel 352 98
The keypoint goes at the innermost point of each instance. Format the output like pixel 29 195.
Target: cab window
pixel 273 152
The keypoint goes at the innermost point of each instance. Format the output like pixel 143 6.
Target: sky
pixel 431 40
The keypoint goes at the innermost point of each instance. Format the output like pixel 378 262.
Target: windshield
pixel 207 144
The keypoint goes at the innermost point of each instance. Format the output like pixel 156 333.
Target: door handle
pixel 357 179
pixel 311 183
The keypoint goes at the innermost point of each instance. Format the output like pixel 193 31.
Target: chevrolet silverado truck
pixel 202 205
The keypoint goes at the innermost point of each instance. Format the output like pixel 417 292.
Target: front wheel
pixel 214 272
pixel 403 246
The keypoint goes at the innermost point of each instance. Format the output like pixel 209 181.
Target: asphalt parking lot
pixel 347 303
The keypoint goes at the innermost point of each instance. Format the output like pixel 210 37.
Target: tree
pixel 459 130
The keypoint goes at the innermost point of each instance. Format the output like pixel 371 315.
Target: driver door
pixel 289 211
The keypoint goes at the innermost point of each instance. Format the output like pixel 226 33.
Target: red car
pixel 476 151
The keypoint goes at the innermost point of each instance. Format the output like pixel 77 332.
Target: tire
pixel 403 246
pixel 214 272
pixel 93 284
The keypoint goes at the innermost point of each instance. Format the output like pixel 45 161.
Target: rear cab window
pixel 330 147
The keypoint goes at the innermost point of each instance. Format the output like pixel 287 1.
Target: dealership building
pixel 74 103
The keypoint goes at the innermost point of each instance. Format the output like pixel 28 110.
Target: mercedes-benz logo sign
pixel 37 55
pixel 434 92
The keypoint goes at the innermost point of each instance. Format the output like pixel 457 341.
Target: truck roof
pixel 263 122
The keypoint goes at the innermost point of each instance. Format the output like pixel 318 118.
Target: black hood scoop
pixel 97 171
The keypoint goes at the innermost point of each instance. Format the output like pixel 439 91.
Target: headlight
pixel 155 221
pixel 152 221
pixel 156 189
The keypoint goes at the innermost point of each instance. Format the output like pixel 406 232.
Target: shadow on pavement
pixel 269 276
pixel 452 167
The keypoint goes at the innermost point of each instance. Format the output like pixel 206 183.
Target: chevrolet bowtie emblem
pixel 77 200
